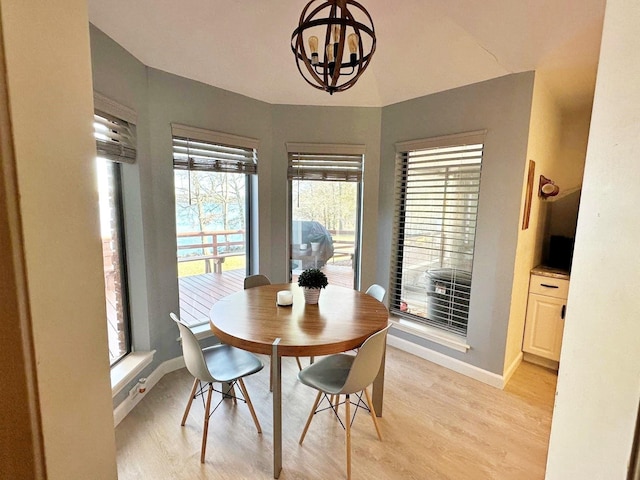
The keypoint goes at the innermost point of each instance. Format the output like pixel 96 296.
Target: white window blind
pixel 115 138
pixel 199 149
pixel 437 195
pixel 340 163
pixel 189 154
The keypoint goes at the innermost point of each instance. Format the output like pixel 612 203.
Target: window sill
pixel 128 368
pixel 450 340
pixel 201 331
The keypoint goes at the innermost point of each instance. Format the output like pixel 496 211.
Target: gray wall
pixel 338 125
pixel 174 99
pixel 501 106
pixel 119 76
pixel 160 99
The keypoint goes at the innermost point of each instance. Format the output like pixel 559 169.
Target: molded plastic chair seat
pixel 226 363
pixel 328 374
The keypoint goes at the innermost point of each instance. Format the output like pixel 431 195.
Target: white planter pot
pixel 315 246
pixel 311 295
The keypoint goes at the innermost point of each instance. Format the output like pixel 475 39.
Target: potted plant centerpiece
pixel 312 281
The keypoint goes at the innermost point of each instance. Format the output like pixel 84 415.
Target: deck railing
pixel 212 247
pixel 343 248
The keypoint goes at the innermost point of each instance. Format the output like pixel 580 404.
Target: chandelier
pixel 333 69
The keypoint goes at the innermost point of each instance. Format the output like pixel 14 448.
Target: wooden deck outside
pixel 198 293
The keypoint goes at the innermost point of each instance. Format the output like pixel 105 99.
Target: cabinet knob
pixel 564 311
pixel 548 286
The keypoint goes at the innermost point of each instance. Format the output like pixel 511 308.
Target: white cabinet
pixel 546 310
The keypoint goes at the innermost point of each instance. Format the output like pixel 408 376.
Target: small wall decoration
pixel 527 201
pixel 547 188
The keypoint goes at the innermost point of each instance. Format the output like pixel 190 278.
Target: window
pixel 115 139
pixel 437 193
pixel 213 175
pixel 325 193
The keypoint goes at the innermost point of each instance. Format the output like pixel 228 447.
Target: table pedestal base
pixel 276 375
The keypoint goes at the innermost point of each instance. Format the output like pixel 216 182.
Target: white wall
pixel 599 378
pixel 545 130
pixel 50 95
pixel 569 166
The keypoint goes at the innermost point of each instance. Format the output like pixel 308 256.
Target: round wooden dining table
pixel 342 320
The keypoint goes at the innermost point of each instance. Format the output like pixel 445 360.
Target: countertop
pixel 551 272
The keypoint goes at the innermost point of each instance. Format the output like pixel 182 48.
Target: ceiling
pixel 423 46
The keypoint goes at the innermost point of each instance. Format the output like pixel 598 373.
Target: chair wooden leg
pixel 232 392
pixel 336 404
pixel 299 364
pixel 205 430
pixel 249 404
pixel 196 382
pixel 373 413
pixel 347 423
pixel 313 409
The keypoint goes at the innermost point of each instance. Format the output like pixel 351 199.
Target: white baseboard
pixel 445 361
pixel 543 362
pixel 498 381
pixel 512 368
pixel 126 370
pixel 122 410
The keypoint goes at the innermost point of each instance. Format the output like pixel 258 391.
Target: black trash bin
pixel 448 292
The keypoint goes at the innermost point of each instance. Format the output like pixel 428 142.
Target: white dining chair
pixel 256 281
pixel 376 291
pixel 344 374
pixel 217 364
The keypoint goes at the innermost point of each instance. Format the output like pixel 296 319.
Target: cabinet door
pixel 544 326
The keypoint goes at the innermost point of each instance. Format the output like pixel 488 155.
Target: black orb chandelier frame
pixel 335 71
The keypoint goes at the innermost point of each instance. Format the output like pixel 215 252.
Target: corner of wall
pixel 543 143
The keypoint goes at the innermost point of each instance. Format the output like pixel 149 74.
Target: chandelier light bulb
pixel 329 50
pixel 352 40
pixel 336 33
pixel 313 46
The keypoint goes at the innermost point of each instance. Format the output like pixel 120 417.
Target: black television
pixel 560 252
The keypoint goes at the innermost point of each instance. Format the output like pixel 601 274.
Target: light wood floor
pixel 436 424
